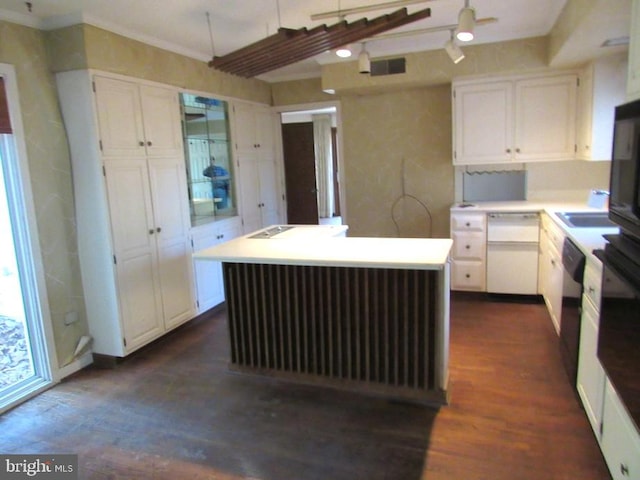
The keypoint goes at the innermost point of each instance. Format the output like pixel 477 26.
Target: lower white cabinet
pixel 591 376
pixel 550 269
pixel 468 257
pixel 620 440
pixel 208 274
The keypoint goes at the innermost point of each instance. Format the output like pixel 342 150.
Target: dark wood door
pixel 300 173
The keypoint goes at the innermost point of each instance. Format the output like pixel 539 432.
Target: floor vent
pixel 390 66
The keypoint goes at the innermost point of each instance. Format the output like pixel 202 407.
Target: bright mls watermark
pixel 50 467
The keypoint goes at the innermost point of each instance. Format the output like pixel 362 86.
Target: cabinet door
pixel 245 128
pixel 546 118
pixel 265 131
pixel 633 76
pixel 590 381
pixel 269 192
pixel 171 223
pixel 620 440
pixel 483 123
pixel 250 191
pixel 162 127
pixel 208 274
pixel 135 247
pixel 119 117
pixel 553 296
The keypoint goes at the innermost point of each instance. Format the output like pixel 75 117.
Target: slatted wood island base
pixel 379 327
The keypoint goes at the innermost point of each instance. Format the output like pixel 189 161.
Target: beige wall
pixel 300 91
pixel 50 171
pixel 380 132
pixel 86 46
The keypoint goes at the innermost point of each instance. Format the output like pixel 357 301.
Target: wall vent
pixel 390 66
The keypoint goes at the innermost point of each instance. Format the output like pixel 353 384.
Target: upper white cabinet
pixel 514 119
pixel 131 208
pixel 601 89
pixel 633 76
pixel 124 130
pixel 483 125
pixel 258 166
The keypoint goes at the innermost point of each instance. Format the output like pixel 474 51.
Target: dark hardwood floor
pixel 171 411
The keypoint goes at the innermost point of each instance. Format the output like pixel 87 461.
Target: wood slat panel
pixel 350 324
pixel 290 46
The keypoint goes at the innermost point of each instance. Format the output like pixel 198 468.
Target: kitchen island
pixel 306 303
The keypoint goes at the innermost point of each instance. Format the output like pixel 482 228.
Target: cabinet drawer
pixel 468 221
pixel 468 275
pixel 593 282
pixel 469 245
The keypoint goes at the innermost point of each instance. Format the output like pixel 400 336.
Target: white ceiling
pixel 181 25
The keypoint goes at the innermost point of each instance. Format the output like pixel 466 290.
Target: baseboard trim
pixel 75 366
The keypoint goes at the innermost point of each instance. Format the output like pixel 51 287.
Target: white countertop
pixel 588 239
pixel 315 245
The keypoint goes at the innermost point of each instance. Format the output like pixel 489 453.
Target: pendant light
pixel 364 61
pixel 453 50
pixel 466 23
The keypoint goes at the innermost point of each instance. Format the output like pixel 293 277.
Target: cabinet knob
pixel 468 275
pixel 468 224
pixel 158 229
pixel 467 247
pixel 151 230
pixel 591 290
pixel 508 150
pixel 517 150
pixel 149 144
pixel 624 470
pixel 141 143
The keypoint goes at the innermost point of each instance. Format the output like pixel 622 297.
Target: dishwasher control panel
pixel 513 227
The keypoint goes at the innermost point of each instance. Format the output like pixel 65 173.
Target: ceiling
pixel 181 25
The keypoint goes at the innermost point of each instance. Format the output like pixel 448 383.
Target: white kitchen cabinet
pixel 259 169
pixel 208 274
pixel 131 208
pixel 591 376
pixel 468 255
pixel 601 89
pixel 514 119
pixel 620 439
pixel 483 126
pixel 550 269
pixel 633 75
pixel 125 131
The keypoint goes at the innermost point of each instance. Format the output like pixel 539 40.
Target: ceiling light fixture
pixel 466 23
pixel 344 52
pixel 364 61
pixel 453 50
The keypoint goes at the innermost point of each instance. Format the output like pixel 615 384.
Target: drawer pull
pixel 467 247
pixel 468 275
pixel 468 224
pixel 624 470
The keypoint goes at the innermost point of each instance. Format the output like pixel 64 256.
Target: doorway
pixel 24 354
pixel 311 165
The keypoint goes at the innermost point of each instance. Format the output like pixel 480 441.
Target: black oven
pixel 619 331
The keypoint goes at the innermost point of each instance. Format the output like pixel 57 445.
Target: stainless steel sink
pixel 586 219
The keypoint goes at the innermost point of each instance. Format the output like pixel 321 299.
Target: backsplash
pixel 545 181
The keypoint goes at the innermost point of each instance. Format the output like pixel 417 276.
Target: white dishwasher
pixel 512 253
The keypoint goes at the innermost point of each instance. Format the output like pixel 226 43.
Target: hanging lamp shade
pixel 466 24
pixel 364 61
pixel 453 50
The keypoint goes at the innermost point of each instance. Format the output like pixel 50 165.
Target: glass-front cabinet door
pixel 207 144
